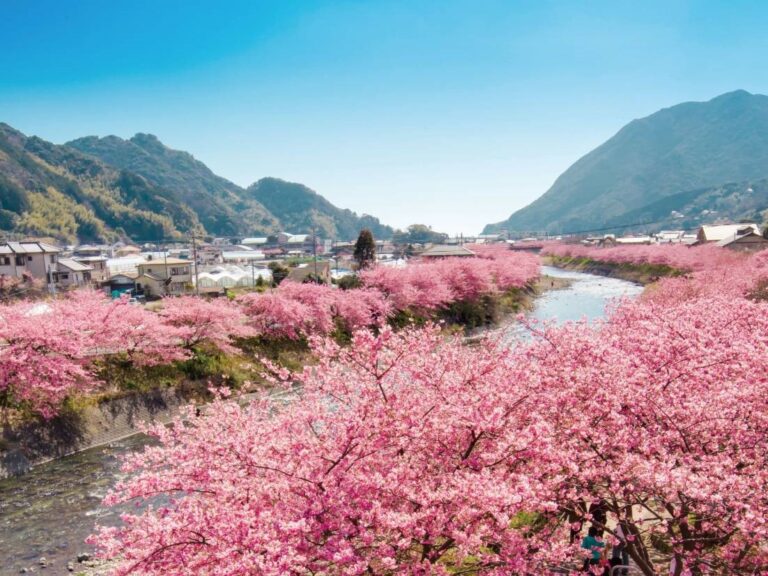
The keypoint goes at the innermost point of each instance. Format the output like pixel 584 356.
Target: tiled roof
pixel 28 248
pixel 74 266
pixel 443 250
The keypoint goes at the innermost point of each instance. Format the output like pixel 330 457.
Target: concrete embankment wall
pixel 33 443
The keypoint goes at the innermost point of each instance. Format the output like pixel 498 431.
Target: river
pixel 50 511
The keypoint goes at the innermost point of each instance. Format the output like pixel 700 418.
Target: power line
pixel 604 229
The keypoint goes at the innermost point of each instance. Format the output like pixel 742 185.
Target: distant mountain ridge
pixel 655 165
pixel 104 188
pixel 301 208
pixel 223 207
pixel 56 191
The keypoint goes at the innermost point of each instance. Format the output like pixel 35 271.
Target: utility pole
pixel 253 275
pixel 194 260
pixel 314 249
pixel 167 278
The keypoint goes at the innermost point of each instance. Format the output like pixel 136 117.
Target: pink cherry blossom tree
pixel 403 453
pixel 48 348
pixel 201 321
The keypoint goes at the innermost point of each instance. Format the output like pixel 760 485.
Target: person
pixel 619 554
pixel 595 546
pixel 575 516
pixel 599 511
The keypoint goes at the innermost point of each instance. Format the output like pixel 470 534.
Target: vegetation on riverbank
pixel 96 348
pixel 641 273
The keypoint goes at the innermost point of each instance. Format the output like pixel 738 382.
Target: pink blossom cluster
pixel 678 256
pixel 48 348
pixel 429 285
pixel 403 452
pixel 41 367
pixel 296 310
pixel 217 322
pixel 413 454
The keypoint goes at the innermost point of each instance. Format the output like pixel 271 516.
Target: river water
pixel 50 511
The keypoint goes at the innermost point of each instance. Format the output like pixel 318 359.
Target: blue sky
pixel 450 113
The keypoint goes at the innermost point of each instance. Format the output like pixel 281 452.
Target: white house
pixel 37 259
pixel 71 273
pixel 724 231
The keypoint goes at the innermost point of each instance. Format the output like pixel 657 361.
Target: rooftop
pixel 28 248
pixel 164 262
pixel 73 265
pixel 444 251
pixel 724 231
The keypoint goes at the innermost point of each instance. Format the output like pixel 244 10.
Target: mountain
pixel 301 208
pixel 731 202
pixel 224 208
pixel 56 191
pixel 690 147
pixel 218 202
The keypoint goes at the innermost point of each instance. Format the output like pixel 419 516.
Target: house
pixel 254 242
pixel 723 231
pixel 299 243
pixel 99 268
pixel 87 250
pixel 303 272
pixel 72 274
pixel 447 251
pixel 121 283
pixel 209 254
pixel 127 251
pixel 634 240
pixel 749 241
pixel 229 256
pixel 670 236
pixel 36 259
pixel 164 277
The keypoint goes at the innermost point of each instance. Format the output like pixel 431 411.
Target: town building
pixel 127 251
pixel 254 242
pixel 164 277
pixel 72 274
pixel 749 241
pixel 121 283
pixel 35 259
pixel 99 267
pixel 302 273
pixel 447 251
pixel 723 231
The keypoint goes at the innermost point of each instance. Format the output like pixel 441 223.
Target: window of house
pixel 64 276
pixel 29 258
pixel 6 261
pixel 53 258
pixel 19 260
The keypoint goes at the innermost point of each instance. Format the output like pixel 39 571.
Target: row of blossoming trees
pixel 53 350
pixel 411 453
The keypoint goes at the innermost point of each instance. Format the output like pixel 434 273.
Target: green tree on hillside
pixel 419 234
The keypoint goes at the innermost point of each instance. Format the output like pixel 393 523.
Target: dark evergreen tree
pixel 365 249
